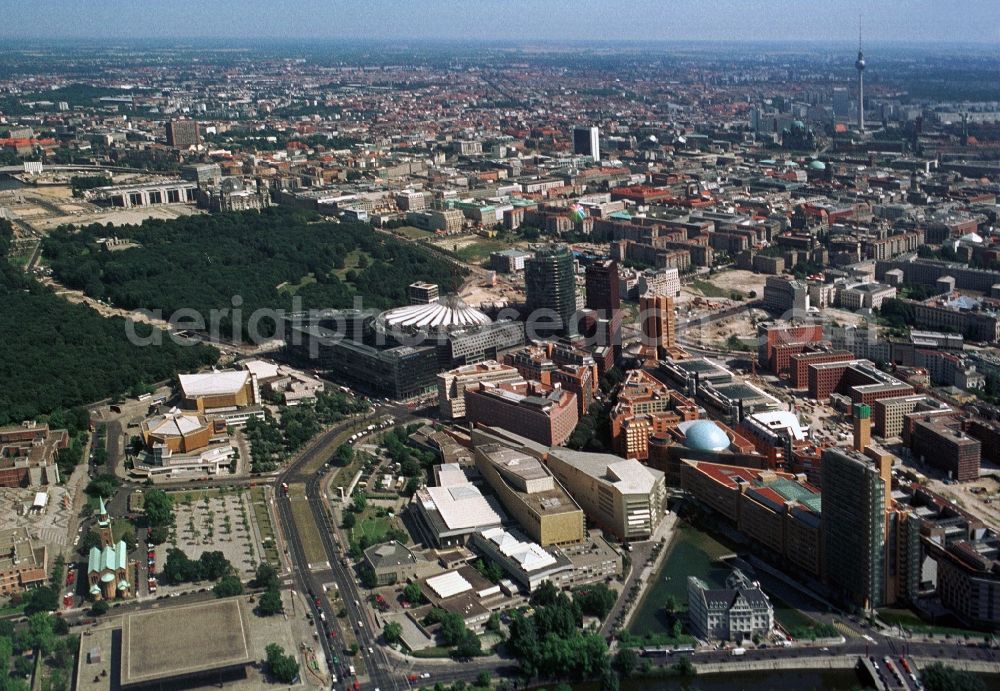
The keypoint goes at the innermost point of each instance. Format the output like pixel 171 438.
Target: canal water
pixel 802 680
pixel 9 183
pixel 691 552
pixel 786 680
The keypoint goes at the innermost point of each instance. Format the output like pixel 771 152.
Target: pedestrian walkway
pixel 663 532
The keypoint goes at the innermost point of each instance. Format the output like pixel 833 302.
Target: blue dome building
pixel 704 435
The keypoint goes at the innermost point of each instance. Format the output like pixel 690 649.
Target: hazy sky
pixel 961 21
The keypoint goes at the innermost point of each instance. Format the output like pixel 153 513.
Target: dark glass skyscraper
pixel 604 296
pixel 182 134
pixel 854 526
pixel 550 284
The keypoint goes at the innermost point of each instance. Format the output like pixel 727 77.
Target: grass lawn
pixel 258 501
pixel 631 640
pixel 19 260
pixel 11 609
pixel 374 528
pixel 413 233
pixel 710 290
pixel 477 251
pixel 351 262
pixel 292 288
pixel 305 524
pixel 910 621
pixel 789 617
pixel 433 651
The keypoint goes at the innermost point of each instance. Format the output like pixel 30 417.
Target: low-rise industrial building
pixel 394 562
pixel 528 563
pixel 23 562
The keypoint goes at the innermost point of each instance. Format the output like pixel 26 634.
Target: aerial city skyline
pixel 498 345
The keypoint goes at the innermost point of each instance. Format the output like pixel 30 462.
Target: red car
pixel 317 602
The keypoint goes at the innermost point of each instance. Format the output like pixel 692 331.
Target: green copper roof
pixel 108 559
pixel 791 490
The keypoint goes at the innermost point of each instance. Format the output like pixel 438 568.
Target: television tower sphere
pixel 860 63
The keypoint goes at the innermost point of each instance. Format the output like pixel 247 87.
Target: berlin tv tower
pixel 859 65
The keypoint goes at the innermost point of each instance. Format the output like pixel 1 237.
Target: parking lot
pixel 214 520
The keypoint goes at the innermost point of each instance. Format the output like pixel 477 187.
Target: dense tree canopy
pixel 55 355
pixel 158 507
pixel 266 577
pixel 281 667
pixel 595 600
pixel 941 677
pixel 272 442
pixel 550 643
pixel 180 568
pixel 203 262
pixel 228 586
pixel 392 632
pixel 270 603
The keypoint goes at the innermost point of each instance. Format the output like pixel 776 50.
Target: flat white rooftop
pixel 464 506
pixel 449 584
pixel 213 383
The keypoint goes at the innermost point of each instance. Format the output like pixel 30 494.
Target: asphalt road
pixel 358 615
pixel 305 580
pixel 384 671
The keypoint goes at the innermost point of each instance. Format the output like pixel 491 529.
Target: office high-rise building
pixel 421 293
pixel 659 330
pixel 856 491
pixel 182 134
pixel 586 142
pixel 862 426
pixel 841 102
pixel 603 286
pixel 604 296
pixel 550 284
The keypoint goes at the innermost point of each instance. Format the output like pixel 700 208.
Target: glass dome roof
pixel 705 435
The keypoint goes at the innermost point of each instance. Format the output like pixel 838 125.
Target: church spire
pixel 104 525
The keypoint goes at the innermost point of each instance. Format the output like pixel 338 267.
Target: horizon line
pixel 512 43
